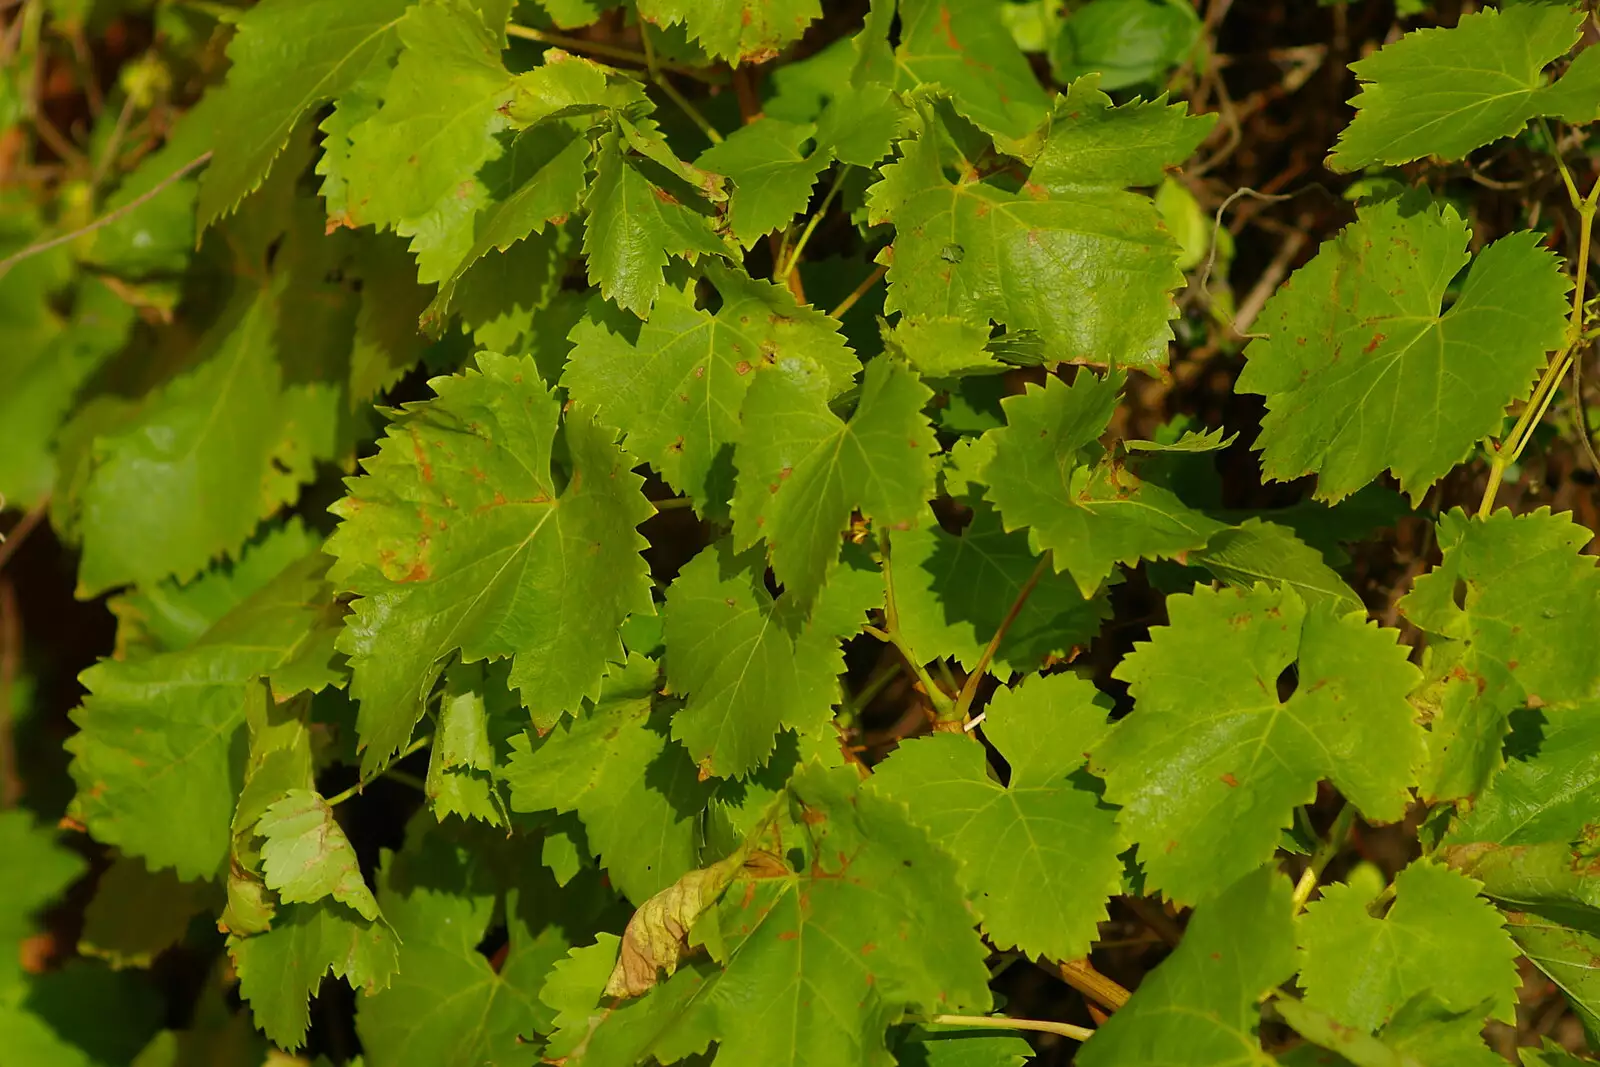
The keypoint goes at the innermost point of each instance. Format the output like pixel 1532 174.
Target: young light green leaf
pixel 458 537
pixel 740 31
pixel 1091 143
pixel 461 761
pixel 676 384
pixel 1257 551
pixel 1444 92
pixel 637 792
pixel 306 855
pixel 750 665
pixel 288 56
pixel 1439 936
pixel 1199 1006
pixel 772 178
pixel 1211 763
pixel 1506 606
pixel 804 470
pixel 1361 369
pixel 1040 855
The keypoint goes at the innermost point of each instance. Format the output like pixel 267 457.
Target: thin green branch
pixel 970 691
pixel 861 290
pixel 600 48
pixel 890 635
pixel 660 81
pixel 1338 834
pixel 414 747
pixel 793 259
pixel 1000 1022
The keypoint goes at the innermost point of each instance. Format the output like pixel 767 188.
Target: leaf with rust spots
pixel 1206 703
pixel 1200 1006
pixel 740 31
pixel 835 466
pixel 1082 266
pixel 1394 382
pixel 657 936
pixel 522 568
pixel 1039 855
pixel 306 855
pixel 794 987
pixel 680 379
pixel 1511 611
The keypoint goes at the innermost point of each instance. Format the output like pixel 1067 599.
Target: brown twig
pixel 19 533
pixel 861 290
pixel 1081 975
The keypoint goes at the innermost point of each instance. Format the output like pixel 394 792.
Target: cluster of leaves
pixel 643 839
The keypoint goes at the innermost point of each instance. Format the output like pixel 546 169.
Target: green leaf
pixel 387 341
pixel 750 665
pixel 676 384
pixel 1444 92
pixel 1549 1054
pixel 1423 1034
pixel 221 446
pixel 136 913
pixel 1439 937
pixel 306 855
pixel 740 31
pixel 448 1004
pixel 1089 515
pixel 459 536
pixel 156 758
pixel 980 249
pixel 1211 763
pixel 280 970
pixel 440 111
pixel 1510 600
pixel 1565 950
pixel 34 870
pixel 1040 855
pixel 1358 332
pixel 1199 1006
pixel 958 1046
pixel 462 763
pixel 1545 797
pixel 806 470
pixel 771 175
pixel 1257 551
pixel 638 793
pixel 817 964
pixel 288 56
pixel 1126 41
pixel 966 49
pixel 638 217
pixel 953 593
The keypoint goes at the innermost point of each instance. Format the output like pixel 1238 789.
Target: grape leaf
pixel 771 175
pixel 1549 1054
pixel 458 537
pixel 740 31
pixel 387 341
pixel 963 47
pixel 953 592
pixel 1090 516
pixel 306 855
pixel 676 383
pixel 1040 855
pixel 448 1004
pixel 155 758
pixel 34 870
pixel 1257 551
pixel 1444 92
pixel 288 56
pixel 816 963
pixel 1211 763
pixel 462 760
pixel 1439 937
pixel 1199 1006
pixel 1072 259
pixel 281 969
pixel 803 474
pixel 136 913
pixel 1508 602
pixel 1546 797
pixel 1424 1033
pixel 222 445
pixel 750 665
pixel 1565 951
pixel 440 111
pixel 1359 330
pixel 637 792
pixel 961 1046
pixel 943 347
pixel 637 219
pixel 1089 142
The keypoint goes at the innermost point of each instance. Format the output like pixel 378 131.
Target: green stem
pixel 970 691
pixel 414 747
pixel 876 684
pixel 1000 1022
pixel 1338 834
pixel 890 634
pixel 661 82
pixel 598 48
pixel 861 290
pixel 793 259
